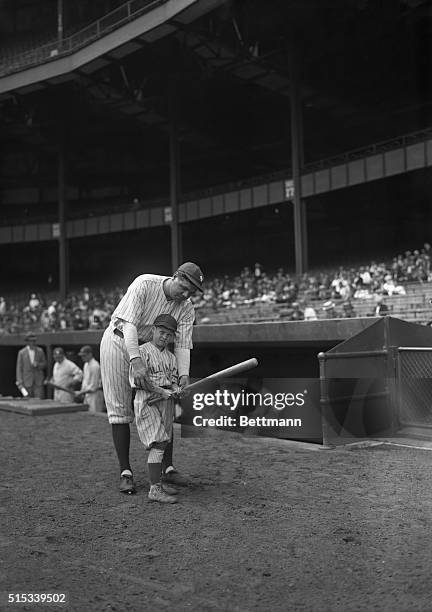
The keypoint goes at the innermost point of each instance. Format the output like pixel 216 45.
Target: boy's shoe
pixel 173 477
pixel 168 489
pixel 156 493
pixel 127 484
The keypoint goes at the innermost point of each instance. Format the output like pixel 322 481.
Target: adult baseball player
pixel 148 296
pixel 67 374
pixel 154 420
pixel 91 386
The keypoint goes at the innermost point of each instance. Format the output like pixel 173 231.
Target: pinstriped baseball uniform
pixel 154 423
pixel 143 302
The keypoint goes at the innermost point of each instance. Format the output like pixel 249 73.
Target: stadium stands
pixel 253 295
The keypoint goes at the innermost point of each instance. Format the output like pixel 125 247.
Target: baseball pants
pixel 114 362
pixel 154 423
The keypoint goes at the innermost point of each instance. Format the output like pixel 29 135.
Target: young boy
pixel 154 408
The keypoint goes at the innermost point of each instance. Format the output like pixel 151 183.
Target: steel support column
pixel 300 221
pixel 60 22
pixel 63 241
pixel 174 172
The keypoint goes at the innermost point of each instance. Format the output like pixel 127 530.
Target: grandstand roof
pixel 364 69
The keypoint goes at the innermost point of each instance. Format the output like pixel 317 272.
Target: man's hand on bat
pixel 184 381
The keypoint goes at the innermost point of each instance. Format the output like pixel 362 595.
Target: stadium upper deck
pixel 223 71
pixel 363 71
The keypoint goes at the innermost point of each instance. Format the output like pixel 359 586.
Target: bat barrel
pixel 238 368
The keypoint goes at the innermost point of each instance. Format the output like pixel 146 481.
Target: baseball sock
pixel 154 473
pixel 154 463
pixel 168 455
pixel 121 439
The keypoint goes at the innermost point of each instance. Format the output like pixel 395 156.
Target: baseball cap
pixel 193 273
pixel 30 336
pixel 167 321
pixel 85 350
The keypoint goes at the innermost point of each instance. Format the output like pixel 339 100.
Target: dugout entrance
pixel 378 383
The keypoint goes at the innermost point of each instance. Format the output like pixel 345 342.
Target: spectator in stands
pixel 45 320
pixel 329 310
pixel 297 314
pixel 79 322
pixel 324 291
pixel 86 295
pixel 65 374
pixel 63 319
pixel 52 309
pixel 2 306
pixel 362 292
pixel 268 296
pixel 396 269
pixel 340 287
pixel 251 286
pixel 365 276
pixel 98 317
pixel 381 309
pixel 390 288
pixel 348 311
pixel 34 302
pixel 310 314
pixel 257 271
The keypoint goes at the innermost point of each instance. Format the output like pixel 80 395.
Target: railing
pixel 121 206
pixel 327 162
pixel 379 147
pixel 58 48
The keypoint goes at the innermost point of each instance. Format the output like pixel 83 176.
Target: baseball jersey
pixel 161 366
pixel 145 300
pixel 154 422
pixel 92 385
pixel 64 374
pixel 91 376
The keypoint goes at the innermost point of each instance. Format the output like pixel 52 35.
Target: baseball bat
pixel 54 386
pixel 237 368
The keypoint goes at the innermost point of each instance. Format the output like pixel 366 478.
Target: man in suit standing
pixel 30 366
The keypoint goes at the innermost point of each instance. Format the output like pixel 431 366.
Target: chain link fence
pixel 414 367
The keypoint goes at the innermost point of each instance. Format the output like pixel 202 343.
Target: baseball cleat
pixel 174 478
pixel 127 485
pixel 156 493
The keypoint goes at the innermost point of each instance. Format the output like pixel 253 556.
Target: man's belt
pixel 120 335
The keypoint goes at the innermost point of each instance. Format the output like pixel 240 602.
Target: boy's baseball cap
pixel 167 321
pixel 193 273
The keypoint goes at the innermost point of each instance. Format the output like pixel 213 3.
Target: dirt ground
pixel 265 525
